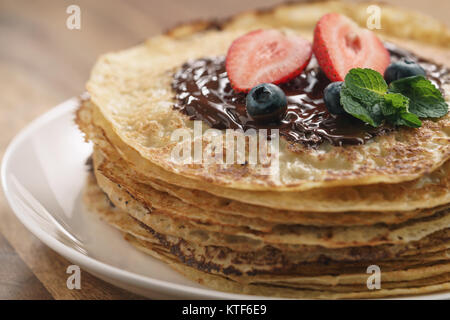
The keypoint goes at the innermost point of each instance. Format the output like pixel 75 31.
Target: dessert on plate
pixel 356 144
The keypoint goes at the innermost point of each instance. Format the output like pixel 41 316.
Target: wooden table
pixel 42 63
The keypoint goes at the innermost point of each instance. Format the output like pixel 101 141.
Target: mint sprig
pixel 366 96
pixel 426 100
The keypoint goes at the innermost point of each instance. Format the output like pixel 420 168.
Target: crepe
pixel 133 100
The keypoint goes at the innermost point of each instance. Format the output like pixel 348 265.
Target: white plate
pixel 43 173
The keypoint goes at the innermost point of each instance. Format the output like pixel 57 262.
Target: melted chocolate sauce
pixel 204 93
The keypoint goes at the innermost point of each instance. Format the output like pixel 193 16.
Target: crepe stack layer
pixel 312 228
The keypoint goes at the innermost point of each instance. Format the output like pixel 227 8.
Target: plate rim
pixel 103 268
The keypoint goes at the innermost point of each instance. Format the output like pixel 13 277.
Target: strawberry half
pixel 340 45
pixel 266 56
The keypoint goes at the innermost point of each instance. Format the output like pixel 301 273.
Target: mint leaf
pixel 425 100
pixel 408 119
pixel 356 108
pixel 362 95
pixel 397 100
pixel 367 85
pixel 395 109
pixel 394 103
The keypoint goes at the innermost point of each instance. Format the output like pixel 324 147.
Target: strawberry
pixel 340 45
pixel 266 56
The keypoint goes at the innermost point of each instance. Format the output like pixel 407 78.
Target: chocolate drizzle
pixel 203 92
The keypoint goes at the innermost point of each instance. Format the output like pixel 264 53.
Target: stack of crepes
pixel 309 231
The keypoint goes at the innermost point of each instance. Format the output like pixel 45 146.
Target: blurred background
pixel 43 63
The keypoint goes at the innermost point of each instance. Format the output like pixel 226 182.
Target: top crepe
pixel 132 94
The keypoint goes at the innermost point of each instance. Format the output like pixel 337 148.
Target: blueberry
pixel 332 97
pixel 402 69
pixel 266 103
